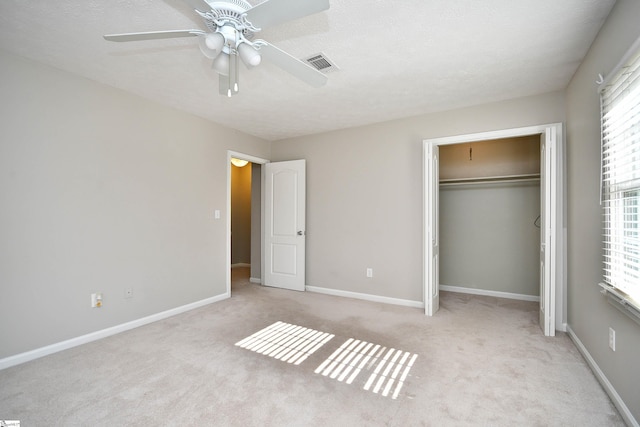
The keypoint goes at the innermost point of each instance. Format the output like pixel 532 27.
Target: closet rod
pixel 491 180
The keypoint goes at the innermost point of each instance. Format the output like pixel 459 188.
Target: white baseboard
pixel 608 387
pixel 255 280
pixel 367 297
pixel 10 361
pixel 240 265
pixel 485 292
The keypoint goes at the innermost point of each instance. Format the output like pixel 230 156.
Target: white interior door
pixel 548 230
pixel 432 263
pixel 284 228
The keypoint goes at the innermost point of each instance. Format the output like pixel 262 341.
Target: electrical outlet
pixel 96 300
pixel 369 272
pixel 128 293
pixel 612 339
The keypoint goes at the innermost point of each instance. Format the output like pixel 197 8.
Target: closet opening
pixel 552 232
pixel 490 217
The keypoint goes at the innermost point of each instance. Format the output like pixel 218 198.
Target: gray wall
pixel 364 192
pixel 488 239
pixel 241 214
pixel 256 220
pixel 589 315
pixel 101 191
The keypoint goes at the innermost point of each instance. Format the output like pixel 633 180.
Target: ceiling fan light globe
pixel 205 43
pixel 249 55
pixel 256 60
pixel 214 41
pixel 221 64
pixel 210 54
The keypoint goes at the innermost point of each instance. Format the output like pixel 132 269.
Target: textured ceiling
pixel 396 58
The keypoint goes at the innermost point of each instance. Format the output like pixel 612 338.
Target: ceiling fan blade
pixel 130 37
pixel 274 12
pixel 292 65
pixel 200 5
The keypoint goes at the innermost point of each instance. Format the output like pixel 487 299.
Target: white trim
pixel 255 280
pixel 366 297
pixel 496 134
pixel 488 293
pixel 608 387
pixel 621 302
pixel 17 359
pixel 247 157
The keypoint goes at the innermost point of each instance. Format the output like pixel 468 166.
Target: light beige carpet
pixel 480 361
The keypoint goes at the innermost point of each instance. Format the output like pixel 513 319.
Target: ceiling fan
pixel 232 25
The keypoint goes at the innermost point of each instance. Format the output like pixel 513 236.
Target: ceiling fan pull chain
pixel 233 66
pixel 236 87
pixel 236 66
pixel 231 75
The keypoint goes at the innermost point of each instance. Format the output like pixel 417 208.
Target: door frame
pixel 252 159
pixel 559 262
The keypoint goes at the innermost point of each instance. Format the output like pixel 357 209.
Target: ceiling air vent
pixel 321 63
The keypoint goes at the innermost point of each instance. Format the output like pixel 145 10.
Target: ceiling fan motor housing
pixel 229 13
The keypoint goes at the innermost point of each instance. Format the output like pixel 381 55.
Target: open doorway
pixel 552 235
pixel 244 217
pixel 245 222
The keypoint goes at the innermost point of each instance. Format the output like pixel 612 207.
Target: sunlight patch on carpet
pixel 286 342
pixel 389 367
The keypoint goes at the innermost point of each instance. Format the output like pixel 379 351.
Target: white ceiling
pixel 396 58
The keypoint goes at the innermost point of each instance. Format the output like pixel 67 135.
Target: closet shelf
pixel 491 180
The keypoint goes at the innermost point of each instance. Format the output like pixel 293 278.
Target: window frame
pixel 620 181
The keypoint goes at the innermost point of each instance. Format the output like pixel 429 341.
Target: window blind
pixel 620 100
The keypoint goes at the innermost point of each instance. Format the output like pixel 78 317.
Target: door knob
pixel 300 233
